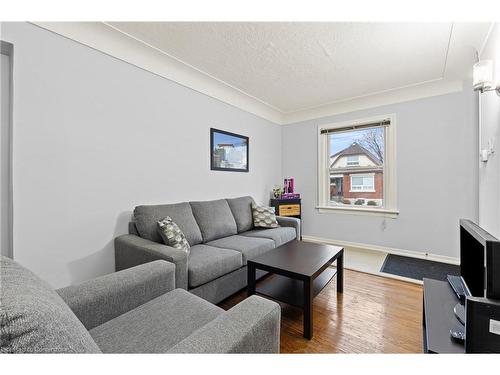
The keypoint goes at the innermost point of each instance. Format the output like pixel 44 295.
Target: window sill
pixel 390 213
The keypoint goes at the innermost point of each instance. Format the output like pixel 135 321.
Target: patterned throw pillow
pixel 264 217
pixel 172 235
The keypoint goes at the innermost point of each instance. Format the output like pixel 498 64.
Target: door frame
pixel 7 49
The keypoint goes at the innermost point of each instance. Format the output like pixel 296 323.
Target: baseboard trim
pixel 384 249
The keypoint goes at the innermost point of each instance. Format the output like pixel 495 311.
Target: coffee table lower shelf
pixel 291 291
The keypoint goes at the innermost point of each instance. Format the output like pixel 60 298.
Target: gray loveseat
pixel 222 239
pixel 132 311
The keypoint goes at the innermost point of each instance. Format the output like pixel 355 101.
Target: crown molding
pixel 108 40
pixel 398 95
pixel 486 38
pixel 112 42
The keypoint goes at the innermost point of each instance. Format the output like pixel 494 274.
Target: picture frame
pixel 228 151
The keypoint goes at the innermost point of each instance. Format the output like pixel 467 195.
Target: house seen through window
pixel 356 167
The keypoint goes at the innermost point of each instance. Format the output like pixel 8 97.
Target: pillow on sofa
pixel 172 235
pixel 264 217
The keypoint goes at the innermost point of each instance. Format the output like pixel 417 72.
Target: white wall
pixel 94 136
pixel 437 166
pixel 489 173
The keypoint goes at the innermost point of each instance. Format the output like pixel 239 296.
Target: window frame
pixel 390 208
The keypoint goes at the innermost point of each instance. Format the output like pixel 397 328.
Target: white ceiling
pixel 296 66
pixel 293 71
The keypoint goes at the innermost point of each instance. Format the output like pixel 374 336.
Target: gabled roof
pixel 356 149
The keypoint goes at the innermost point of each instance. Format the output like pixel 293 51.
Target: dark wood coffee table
pixel 302 270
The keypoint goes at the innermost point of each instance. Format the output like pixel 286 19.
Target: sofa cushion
pixel 242 211
pixel 279 235
pixel 249 247
pixel 34 318
pixel 214 218
pixel 206 263
pixel 146 218
pixel 157 325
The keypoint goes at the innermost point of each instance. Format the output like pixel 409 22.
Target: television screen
pixel 479 260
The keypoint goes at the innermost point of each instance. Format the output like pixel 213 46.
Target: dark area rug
pixel 415 268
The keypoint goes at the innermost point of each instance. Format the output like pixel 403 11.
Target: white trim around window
pixel 390 194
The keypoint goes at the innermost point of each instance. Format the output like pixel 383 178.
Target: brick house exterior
pixel 377 194
pixel 355 163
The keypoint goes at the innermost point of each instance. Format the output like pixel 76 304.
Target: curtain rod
pixel 385 122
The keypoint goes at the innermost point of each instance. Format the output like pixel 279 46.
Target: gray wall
pixel 436 176
pixel 94 136
pixel 489 173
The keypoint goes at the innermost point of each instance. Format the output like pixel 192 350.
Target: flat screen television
pixel 479 260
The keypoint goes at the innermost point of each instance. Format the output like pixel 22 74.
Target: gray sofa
pixel 132 311
pixel 222 239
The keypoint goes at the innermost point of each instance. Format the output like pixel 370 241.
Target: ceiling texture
pixel 294 69
pixel 294 66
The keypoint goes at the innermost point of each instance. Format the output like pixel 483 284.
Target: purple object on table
pixel 288 187
pixel 290 196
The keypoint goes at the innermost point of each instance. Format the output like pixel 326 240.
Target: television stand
pixel 438 318
pixel 459 311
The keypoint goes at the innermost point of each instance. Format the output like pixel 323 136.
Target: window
pixel 356 166
pixel 363 183
pixel 353 160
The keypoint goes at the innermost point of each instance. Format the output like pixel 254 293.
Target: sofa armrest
pixel 252 326
pixel 286 221
pixel 132 250
pixel 96 301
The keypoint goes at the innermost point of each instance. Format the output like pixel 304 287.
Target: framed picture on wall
pixel 228 151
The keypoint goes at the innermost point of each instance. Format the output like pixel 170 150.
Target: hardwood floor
pixel 373 315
